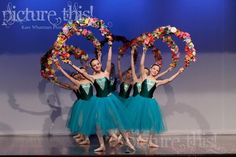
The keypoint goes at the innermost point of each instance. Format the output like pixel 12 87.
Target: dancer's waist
pixel 103 94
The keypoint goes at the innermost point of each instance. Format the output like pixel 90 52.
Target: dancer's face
pixel 77 76
pixel 128 74
pixel 96 65
pixel 154 70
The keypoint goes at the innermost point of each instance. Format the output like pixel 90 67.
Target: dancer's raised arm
pixel 142 69
pixel 85 74
pixel 165 81
pixel 99 56
pixel 119 68
pixel 109 58
pixel 68 76
pixel 67 86
pixel 135 78
pixel 164 72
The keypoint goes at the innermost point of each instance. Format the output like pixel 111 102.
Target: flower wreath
pixel 64 51
pixel 122 39
pixel 189 47
pixel 76 27
pixel 47 68
pixel 148 40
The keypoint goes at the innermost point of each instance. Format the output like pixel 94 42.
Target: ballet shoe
pixel 141 140
pixel 130 145
pixel 77 136
pixel 100 149
pixel 85 142
pixel 112 139
pixel 77 140
pixel 152 145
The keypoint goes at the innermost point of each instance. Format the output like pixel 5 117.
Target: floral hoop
pixel 47 66
pixel 190 52
pixel 146 39
pixel 64 51
pixel 76 27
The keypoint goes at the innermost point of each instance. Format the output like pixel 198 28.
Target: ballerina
pixel 107 106
pixel 79 119
pixel 151 119
pixel 125 80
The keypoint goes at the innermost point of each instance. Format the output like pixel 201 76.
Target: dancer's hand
pixel 181 70
pixel 57 65
pixel 144 48
pixel 110 43
pixel 110 40
pixel 134 47
pixel 68 62
pixel 170 68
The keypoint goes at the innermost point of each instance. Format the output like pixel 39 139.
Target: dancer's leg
pixel 101 142
pixel 77 136
pixel 128 143
pixel 81 138
pixel 140 139
pixel 150 143
pixel 86 141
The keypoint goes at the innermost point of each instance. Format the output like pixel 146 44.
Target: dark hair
pixel 76 73
pixel 83 68
pixel 90 63
pixel 73 74
pixel 147 69
pixel 155 65
pixel 128 69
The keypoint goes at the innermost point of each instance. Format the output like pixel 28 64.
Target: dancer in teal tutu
pixel 125 82
pixel 113 78
pixel 151 119
pixel 123 95
pixel 135 110
pixel 107 111
pixel 80 120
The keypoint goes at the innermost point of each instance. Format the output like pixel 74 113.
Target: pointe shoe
pixel 120 142
pixel 117 142
pixel 141 140
pixel 130 145
pixel 77 136
pixel 112 139
pixel 85 142
pixel 77 140
pixel 152 145
pixel 100 149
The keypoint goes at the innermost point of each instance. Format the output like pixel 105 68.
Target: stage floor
pixel 169 145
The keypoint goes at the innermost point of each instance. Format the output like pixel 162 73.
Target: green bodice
pixel 148 88
pixel 102 86
pixel 113 84
pixel 125 89
pixel 137 88
pixel 86 91
pixel 77 94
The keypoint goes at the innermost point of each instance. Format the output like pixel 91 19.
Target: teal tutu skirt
pixel 145 115
pixel 123 101
pixel 81 119
pixel 110 114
